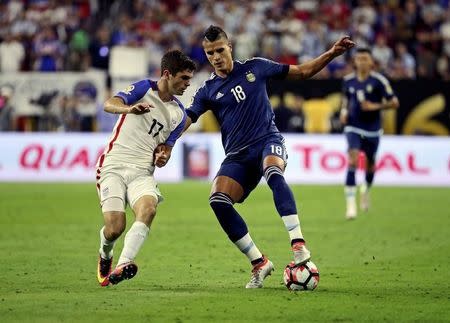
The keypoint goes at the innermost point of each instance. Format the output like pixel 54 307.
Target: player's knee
pixel 146 213
pixel 274 176
pixel 219 201
pixel 115 228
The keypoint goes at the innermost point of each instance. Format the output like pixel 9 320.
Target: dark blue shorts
pixel 246 166
pixel 369 145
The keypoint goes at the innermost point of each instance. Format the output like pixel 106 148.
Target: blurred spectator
pixel 12 54
pixel 48 51
pixel 100 48
pixel 382 53
pixel 6 110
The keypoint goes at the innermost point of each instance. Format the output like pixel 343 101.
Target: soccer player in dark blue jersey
pixel 236 94
pixel 366 93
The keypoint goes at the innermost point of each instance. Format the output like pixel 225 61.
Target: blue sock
pixel 282 194
pixel 369 178
pixel 230 220
pixel 350 180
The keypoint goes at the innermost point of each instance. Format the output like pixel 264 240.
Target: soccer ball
pixel 303 277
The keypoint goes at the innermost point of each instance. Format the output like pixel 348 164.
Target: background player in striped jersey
pixel 150 117
pixel 236 94
pixel 366 93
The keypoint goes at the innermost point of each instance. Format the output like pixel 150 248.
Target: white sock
pixel 134 239
pixel 106 246
pixel 248 247
pixel 292 224
pixel 350 197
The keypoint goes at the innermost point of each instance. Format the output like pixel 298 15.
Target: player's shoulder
pixel 175 99
pixel 254 60
pixel 379 77
pixel 349 77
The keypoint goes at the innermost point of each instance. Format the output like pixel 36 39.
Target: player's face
pixel 219 54
pixel 363 62
pixel 180 82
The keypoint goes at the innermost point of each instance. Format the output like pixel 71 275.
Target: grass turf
pixel 391 264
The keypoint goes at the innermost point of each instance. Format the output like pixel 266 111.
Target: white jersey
pixel 135 137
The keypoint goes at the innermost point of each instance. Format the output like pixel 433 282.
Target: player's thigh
pixel 143 185
pixel 274 154
pixel 354 142
pixel 112 192
pixel 370 148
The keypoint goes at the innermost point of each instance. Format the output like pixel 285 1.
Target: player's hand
pixel 369 106
pixel 343 116
pixel 342 45
pixel 160 156
pixel 140 108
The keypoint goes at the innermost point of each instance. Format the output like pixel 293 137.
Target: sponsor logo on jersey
pixel 219 95
pixel 128 90
pixel 250 77
pixel 369 88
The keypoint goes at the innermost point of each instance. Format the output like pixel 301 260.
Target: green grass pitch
pixel 391 264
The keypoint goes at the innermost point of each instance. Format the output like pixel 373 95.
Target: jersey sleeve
pixel 176 133
pixel 271 69
pixel 386 88
pixel 134 92
pixel 199 104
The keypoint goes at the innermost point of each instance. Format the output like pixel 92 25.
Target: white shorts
pixel 127 183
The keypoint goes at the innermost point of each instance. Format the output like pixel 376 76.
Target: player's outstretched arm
pixel 312 67
pixel 115 105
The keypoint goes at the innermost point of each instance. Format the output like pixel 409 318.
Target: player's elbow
pixel 395 104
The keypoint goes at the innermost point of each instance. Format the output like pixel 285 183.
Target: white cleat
pixel 364 199
pixel 259 273
pixel 351 214
pixel 301 253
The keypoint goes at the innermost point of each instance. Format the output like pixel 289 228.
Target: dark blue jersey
pixel 374 89
pixel 240 102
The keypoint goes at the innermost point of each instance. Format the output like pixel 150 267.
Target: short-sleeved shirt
pixel 240 102
pixel 135 137
pixel 374 89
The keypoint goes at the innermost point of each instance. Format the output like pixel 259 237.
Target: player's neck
pixel 362 75
pixel 225 72
pixel 163 91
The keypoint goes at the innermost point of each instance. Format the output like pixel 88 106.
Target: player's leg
pixel 143 196
pixel 354 144
pixel 274 163
pixel 111 191
pixel 224 193
pixel 370 147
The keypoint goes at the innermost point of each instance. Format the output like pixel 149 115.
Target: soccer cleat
pixel 124 271
pixel 350 214
pixel 351 203
pixel 301 253
pixel 259 273
pixel 364 199
pixel 103 270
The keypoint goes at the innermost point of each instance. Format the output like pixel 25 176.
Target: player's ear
pixel 165 74
pixel 231 47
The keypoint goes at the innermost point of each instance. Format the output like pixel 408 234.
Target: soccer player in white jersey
pixel 151 119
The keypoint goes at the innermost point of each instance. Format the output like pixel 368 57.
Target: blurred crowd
pixel 409 39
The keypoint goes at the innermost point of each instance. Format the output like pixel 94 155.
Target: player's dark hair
pixel 364 50
pixel 214 33
pixel 176 61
